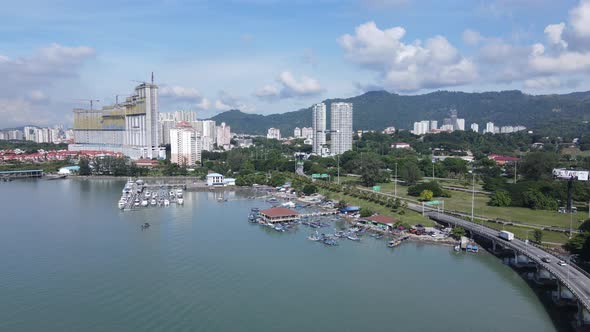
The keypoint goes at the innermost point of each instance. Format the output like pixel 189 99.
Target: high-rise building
pixel 421 127
pixel 460 124
pixel 433 125
pixel 164 127
pixel 475 127
pixel 130 127
pixel 273 133
pixel 307 132
pixel 318 127
pixel 15 134
pixel 297 132
pixel 223 135
pixel 185 145
pixel 341 128
pixel 29 133
pixel 489 128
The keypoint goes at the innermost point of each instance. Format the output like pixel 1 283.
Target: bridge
pixel 576 280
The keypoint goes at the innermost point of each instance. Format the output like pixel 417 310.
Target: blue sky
pixel 273 56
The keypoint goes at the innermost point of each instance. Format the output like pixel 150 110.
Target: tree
pixel 538 236
pixel 457 232
pixel 500 198
pixel 84 166
pixel 366 212
pixel 310 189
pixel 426 195
pixel 535 199
pixel 277 179
pixel 410 172
pixel 538 165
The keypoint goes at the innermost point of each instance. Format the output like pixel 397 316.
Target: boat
pixel 288 205
pixel 166 202
pixel 330 242
pixel 393 244
pixel 314 237
pixel 279 228
pixel 144 202
pixel 180 201
pixel 171 194
pixel 153 202
pixel 148 194
pixel 457 248
pixel 136 203
pixel 145 225
pixel 179 192
pixel 121 204
pixel 353 237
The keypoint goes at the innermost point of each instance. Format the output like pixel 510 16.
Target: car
pixel 546 259
pixel 561 263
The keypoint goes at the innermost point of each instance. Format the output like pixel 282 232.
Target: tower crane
pixel 91 101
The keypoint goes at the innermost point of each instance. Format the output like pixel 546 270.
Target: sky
pixel 275 56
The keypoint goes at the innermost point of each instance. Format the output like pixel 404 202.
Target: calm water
pixel 71 261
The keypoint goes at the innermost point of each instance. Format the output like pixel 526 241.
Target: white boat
pixel 171 193
pixel 136 203
pixel 144 203
pixel 289 204
pixel 180 201
pixel 153 202
pixel 121 204
pixel 166 202
pixel 147 194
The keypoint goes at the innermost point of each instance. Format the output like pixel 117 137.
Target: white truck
pixel 508 236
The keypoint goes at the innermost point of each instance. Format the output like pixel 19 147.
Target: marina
pixel 136 194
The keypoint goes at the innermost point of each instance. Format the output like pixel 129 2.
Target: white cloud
pixel 407 67
pixel 204 104
pixel 290 87
pixel 572 62
pixel 267 91
pixel 471 37
pixel 580 19
pixel 543 83
pixel 554 34
pixel 227 101
pixel 179 92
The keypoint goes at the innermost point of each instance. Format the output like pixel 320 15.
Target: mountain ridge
pixel 376 110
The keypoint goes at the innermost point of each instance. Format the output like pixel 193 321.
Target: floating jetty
pixel 139 195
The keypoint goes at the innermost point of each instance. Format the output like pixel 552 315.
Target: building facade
pixel 185 146
pixel 131 126
pixel 318 128
pixel 341 128
pixel 475 127
pixel 273 133
pixel 223 133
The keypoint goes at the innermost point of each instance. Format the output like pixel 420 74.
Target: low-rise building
pixel 279 214
pixel 215 179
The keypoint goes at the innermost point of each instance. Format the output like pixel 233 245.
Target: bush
pixel 366 212
pixel 426 195
pixel 536 200
pixel 310 189
pixel 433 186
pixel 500 198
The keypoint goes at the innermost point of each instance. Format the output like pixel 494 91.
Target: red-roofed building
pixel 149 163
pixel 380 220
pixel 501 160
pixel 279 214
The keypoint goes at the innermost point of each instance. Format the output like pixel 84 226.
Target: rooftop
pixel 379 218
pixel 279 212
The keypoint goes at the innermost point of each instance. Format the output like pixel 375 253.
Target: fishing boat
pixel 145 225
pixel 457 248
pixel 121 204
pixel 180 200
pixel 393 244
pixel 279 228
pixel 353 237
pixel 166 202
pixel 330 242
pixel 148 194
pixel 314 237
pixel 153 202
pixel 288 205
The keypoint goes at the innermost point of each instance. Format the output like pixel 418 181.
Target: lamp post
pixel 395 185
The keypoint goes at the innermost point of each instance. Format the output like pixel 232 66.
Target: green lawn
pixel 409 217
pixel 521 232
pixel 461 201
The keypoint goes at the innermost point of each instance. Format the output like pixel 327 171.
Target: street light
pixel 395 185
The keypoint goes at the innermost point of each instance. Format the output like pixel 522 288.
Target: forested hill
pixel 379 109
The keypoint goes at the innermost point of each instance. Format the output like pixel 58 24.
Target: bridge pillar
pixel 582 316
pixel 494 245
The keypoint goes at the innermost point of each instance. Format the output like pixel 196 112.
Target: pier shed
pixel 380 220
pixel 279 214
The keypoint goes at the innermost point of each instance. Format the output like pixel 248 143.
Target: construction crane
pixel 117 98
pixel 91 101
pixel 144 82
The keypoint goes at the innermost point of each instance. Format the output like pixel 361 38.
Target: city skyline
pixel 544 51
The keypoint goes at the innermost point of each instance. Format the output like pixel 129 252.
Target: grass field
pixel 409 217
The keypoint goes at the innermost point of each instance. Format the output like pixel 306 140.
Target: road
pixel 575 280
